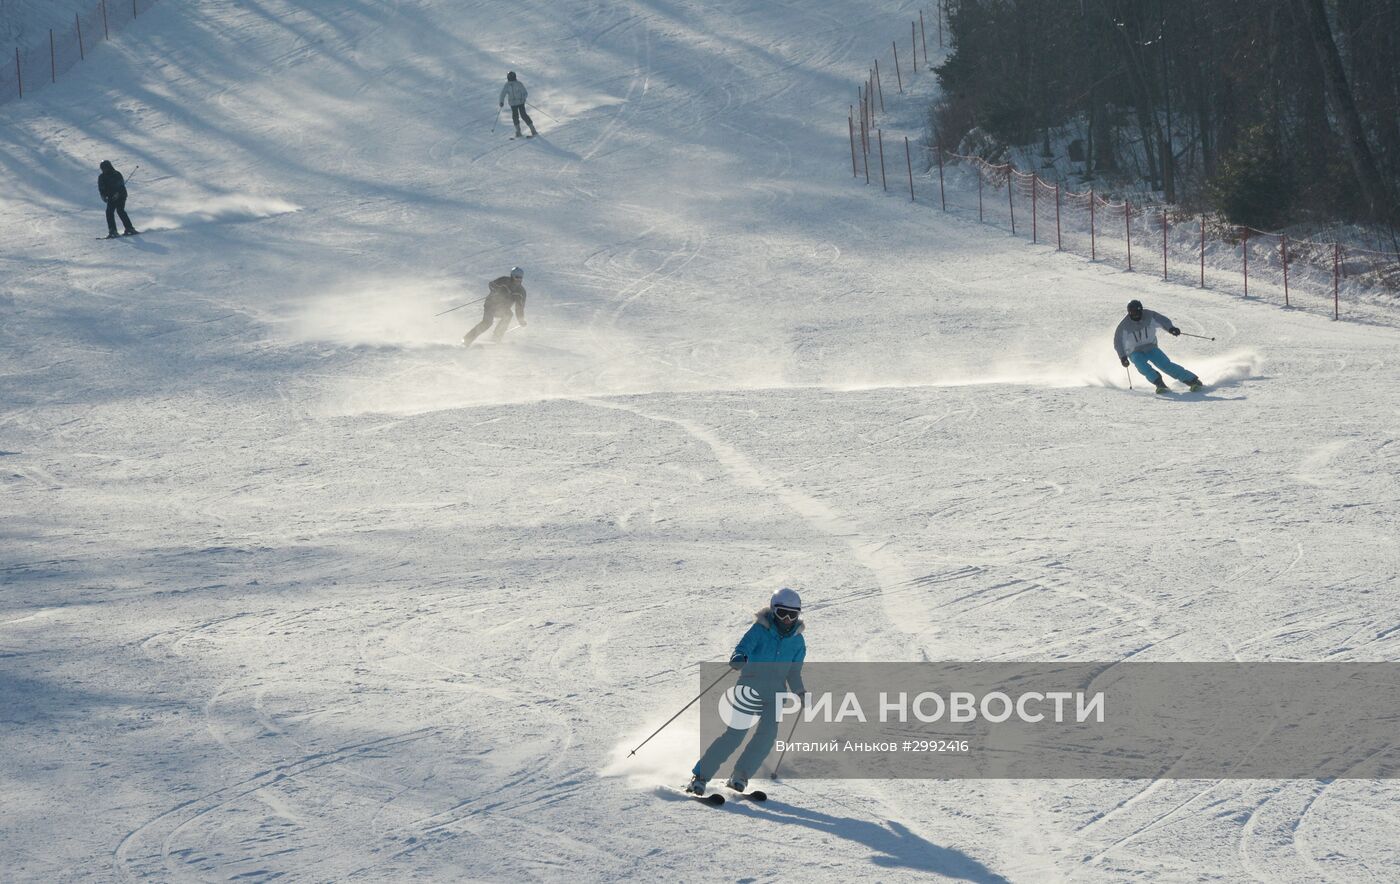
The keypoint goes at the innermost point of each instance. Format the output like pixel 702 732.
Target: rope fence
pixel 65 45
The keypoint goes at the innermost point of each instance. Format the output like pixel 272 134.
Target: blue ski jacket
pixel 769 660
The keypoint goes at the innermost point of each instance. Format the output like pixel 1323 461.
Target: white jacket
pixel 515 91
pixel 1131 336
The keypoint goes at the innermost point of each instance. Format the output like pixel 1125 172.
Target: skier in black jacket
pixel 112 187
pixel 505 293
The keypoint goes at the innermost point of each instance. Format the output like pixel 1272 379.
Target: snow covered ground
pixel 293 585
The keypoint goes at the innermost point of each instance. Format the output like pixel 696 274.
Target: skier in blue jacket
pixel 1135 340
pixel 774 638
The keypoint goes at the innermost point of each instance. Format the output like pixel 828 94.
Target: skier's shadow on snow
pixel 551 147
pixel 1212 395
pixel 895 846
pixel 144 245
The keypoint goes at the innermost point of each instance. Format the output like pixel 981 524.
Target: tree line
pixel 1271 111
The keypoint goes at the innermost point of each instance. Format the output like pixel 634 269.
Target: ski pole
pixel 128 178
pixel 498 118
pixel 678 714
pixel 460 306
pixel 1202 337
pixel 791 731
pixel 1130 376
pixel 547 116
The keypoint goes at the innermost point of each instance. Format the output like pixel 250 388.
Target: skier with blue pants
pixel 769 659
pixel 1135 339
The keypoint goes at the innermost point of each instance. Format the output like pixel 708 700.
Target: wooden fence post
pixel 942 195
pixel 1128 230
pixel 865 161
pixel 1010 182
pixel 880 139
pixel 851 128
pixel 1093 243
pixel 909 162
pixel 899 78
pixel 1035 188
pixel 1164 243
pixel 1283 252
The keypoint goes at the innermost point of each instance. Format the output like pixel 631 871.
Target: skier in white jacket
pixel 516 92
pixel 1135 341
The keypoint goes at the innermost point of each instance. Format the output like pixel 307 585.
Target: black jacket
pixel 506 291
pixel 110 185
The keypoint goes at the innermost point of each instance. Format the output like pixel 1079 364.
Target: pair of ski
pixel 715 799
pixel 513 137
pixel 1164 390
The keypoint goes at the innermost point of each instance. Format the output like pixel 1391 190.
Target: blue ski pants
pixel 1145 359
pixel 765 734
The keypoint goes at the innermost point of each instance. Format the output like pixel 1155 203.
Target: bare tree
pixel 1343 105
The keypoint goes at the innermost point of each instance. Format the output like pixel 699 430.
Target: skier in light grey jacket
pixel 1135 339
pixel 516 92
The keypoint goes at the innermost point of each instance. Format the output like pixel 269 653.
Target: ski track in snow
pixel 294 586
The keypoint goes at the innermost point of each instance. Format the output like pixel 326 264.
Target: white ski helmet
pixel 786 598
pixel 517 273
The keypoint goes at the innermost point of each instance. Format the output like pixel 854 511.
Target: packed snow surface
pixel 294 585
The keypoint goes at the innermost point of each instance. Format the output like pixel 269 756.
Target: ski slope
pixel 292 585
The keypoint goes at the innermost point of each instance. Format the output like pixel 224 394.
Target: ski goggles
pixel 787 615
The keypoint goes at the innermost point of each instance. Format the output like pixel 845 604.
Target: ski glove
pixel 1174 332
pixel 738 661
pixel 1124 360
